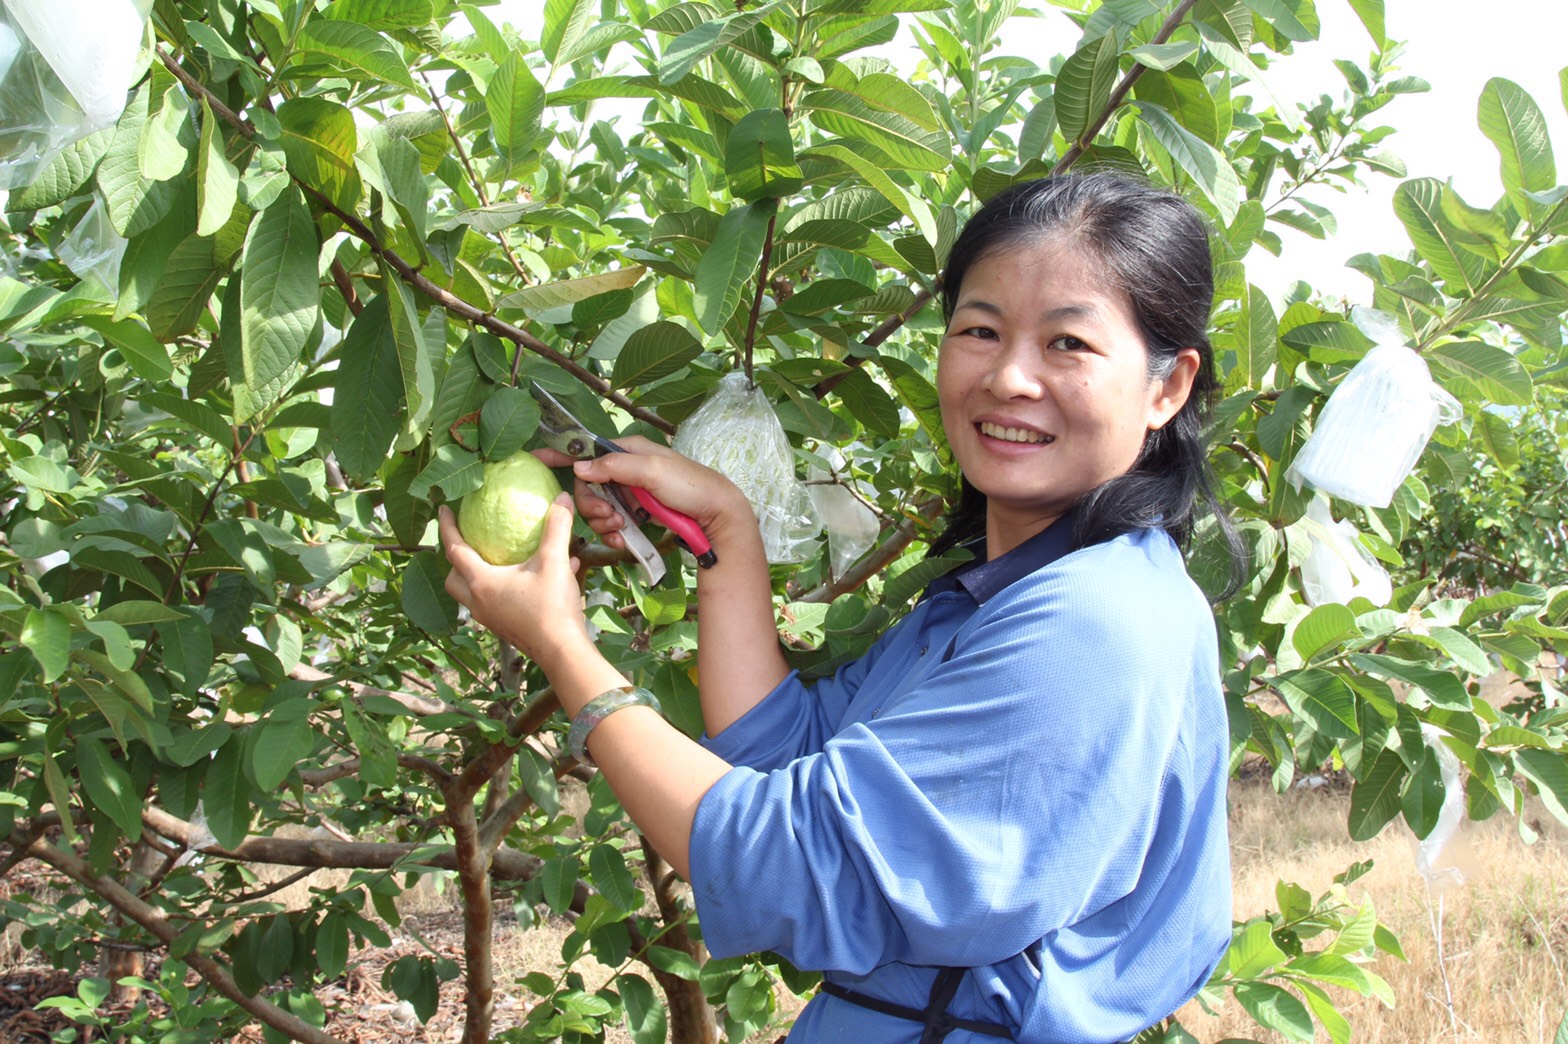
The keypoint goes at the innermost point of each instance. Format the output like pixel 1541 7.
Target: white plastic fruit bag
pixel 65 68
pixel 1337 569
pixel 1377 422
pixel 737 434
pixel 851 526
pixel 94 249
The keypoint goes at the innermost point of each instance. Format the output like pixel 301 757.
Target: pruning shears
pixel 564 432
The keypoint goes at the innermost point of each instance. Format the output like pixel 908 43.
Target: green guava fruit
pixel 504 518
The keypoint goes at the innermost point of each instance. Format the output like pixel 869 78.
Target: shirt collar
pixel 982 579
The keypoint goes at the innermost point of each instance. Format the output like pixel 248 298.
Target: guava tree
pixel 355 230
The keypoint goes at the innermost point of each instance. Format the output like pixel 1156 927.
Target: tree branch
pixel 1072 155
pixel 411 275
pixel 495 827
pixel 882 333
pixel 762 284
pixel 882 557
pixel 473 876
pixel 415 704
pixel 506 865
pixel 157 925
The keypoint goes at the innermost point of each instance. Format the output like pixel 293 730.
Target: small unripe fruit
pixel 503 519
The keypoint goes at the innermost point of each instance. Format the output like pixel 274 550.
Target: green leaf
pixel 332 945
pixel 729 264
pixel 869 403
pixel 454 470
pixel 217 181
pixel 135 203
pixel 1276 1009
pixel 1371 14
pixel 910 205
pixel 1253 951
pixel 146 355
pixel 1497 436
pixel 565 22
pixel 413 355
pixel 109 786
pixel 1514 123
pixel 66 174
pixel 161 153
pixel 1207 166
pixel 1322 1006
pixel 282 742
pixel 279 300
pixel 1083 87
pixel 382 14
pixel 46 633
pixel 654 353
pixel 184 289
pixel 425 600
pixel 695 44
pixel 1163 56
pixel 559 879
pixel 319 141
pixel 367 402
pixel 509 420
pixel 609 874
pixel 1421 798
pixel 1442 687
pixel 535 299
pixel 1374 800
pixel 357 51
pixel 1322 628
pixel 1187 98
pixel 1321 697
pixel 1418 203
pixel 515 102
pixel 1490 372
pixel 1257 340
pixel 759 158
pixel 643 1014
pixel 907 144
pixel 226 794
pixel 1548 770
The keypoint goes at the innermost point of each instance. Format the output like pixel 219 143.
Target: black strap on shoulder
pixel 935 1018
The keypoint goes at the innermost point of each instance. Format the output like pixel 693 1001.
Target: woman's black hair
pixel 1154 247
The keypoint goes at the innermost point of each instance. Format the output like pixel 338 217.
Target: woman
pixel 1008 818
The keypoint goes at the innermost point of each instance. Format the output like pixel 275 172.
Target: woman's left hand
pixel 537 606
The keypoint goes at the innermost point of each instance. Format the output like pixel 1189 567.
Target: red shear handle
pixel 684 527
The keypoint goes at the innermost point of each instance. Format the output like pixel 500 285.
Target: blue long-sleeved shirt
pixel 1024 776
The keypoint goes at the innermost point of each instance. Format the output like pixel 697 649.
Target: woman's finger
pixel 552 457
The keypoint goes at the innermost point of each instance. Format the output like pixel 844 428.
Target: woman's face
pixel 1044 384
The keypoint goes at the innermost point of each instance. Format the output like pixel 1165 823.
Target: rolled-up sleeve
pixel 1012 791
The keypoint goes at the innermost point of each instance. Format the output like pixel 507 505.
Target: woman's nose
pixel 1011 376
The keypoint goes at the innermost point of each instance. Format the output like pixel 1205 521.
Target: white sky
pixel 1456 45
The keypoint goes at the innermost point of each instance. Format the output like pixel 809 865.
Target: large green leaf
pixel 696 43
pixel 1321 697
pixel 1374 800
pixel 1486 371
pixel 424 596
pixel 1442 687
pixel 1514 123
pixel 1253 951
pixel 869 403
pixel 279 301
pixel 147 356
pixel 1208 167
pixel 509 420
pixel 1371 14
pixel 66 174
pixel 566 292
pixel 759 158
pixel 729 263
pixel 136 203
pixel 909 204
pixel 515 102
pixel 282 741
pixel 653 353
pixel 357 51
pixel 414 361
pixel 1183 94
pixel 1083 87
pixel 1419 205
pixel 189 279
pixel 1497 436
pixel 1421 798
pixel 1257 340
pixel 454 470
pixel 565 23
pixel 46 633
pixel 644 1015
pixel 367 402
pixel 226 793
pixel 319 140
pixel 907 144
pixel 1275 1008
pixel 109 786
pixel 382 14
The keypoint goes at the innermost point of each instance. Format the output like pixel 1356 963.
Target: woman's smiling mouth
pixel 1024 435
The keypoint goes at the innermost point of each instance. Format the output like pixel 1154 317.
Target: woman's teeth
pixel 996 431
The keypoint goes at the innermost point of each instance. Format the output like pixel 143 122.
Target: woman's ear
pixel 1168 396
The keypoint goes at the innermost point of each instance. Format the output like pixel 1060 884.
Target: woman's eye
pixel 985 333
pixel 1067 343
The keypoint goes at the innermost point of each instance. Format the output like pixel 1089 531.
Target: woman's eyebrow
pixel 979 305
pixel 1071 311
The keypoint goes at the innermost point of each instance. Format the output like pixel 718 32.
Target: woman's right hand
pixel 711 499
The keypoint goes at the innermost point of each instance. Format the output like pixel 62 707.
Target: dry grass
pixel 1504 932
